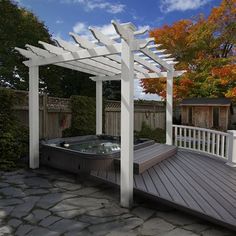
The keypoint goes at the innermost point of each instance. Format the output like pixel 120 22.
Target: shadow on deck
pixel 190 182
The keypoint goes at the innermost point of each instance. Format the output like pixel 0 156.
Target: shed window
pixel 190 115
pixel 216 114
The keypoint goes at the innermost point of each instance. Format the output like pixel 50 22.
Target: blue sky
pixel 64 16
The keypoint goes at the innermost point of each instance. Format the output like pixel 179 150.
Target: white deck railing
pixel 208 141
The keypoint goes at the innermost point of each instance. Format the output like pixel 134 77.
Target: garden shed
pixel 206 112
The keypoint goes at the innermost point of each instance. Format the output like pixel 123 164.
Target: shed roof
pixel 206 102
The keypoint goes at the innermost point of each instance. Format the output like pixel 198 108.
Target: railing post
pixel 232 148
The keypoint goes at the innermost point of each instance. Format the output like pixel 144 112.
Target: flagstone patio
pixel 47 202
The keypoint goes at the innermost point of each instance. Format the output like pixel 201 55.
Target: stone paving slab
pixel 47 202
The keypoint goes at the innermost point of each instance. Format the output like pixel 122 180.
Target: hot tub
pixel 84 153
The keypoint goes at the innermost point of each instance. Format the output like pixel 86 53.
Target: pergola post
pixel 127 119
pixel 34 117
pixel 98 107
pixel 169 107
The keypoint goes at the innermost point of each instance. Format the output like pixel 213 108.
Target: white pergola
pixel 123 57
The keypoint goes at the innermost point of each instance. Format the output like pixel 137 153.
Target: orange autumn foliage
pixel 205 47
pixel 174 38
pixel 182 87
pixel 227 73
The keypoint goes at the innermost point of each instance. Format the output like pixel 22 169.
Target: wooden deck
pixel 146 157
pixel 188 181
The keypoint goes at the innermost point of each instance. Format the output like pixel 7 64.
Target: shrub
pixel 157 134
pixel 83 116
pixel 13 136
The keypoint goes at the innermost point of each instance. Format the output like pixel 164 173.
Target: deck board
pixel 213 197
pixel 146 157
pixel 218 184
pixel 189 181
pixel 196 195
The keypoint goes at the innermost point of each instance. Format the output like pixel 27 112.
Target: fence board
pixel 152 113
pixel 54 114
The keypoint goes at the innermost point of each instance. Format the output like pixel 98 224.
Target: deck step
pixel 149 156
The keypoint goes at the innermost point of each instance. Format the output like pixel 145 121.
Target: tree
pixel 174 39
pixel 18 27
pixel 205 48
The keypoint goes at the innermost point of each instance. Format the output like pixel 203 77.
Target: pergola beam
pixel 101 60
pixel 70 65
pixel 137 76
pixel 85 43
pixel 79 55
pixel 154 57
pixel 106 41
pixel 59 51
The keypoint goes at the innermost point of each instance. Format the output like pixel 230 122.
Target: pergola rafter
pixel 122 57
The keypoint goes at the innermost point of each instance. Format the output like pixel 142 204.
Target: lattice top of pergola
pixel 102 57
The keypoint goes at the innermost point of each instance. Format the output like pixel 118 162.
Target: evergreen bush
pixel 13 136
pixel 83 120
pixel 146 131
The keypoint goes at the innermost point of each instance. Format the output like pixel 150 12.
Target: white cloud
pixel 90 5
pixel 80 28
pixel 57 35
pixel 107 29
pixel 143 27
pixel 181 5
pixel 59 21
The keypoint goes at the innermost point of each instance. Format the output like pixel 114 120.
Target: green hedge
pixel 13 136
pixel 159 135
pixel 83 116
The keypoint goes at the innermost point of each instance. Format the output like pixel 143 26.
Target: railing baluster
pixel 194 139
pixel 213 143
pixel 204 141
pixel 223 146
pixel 190 138
pixel 199 140
pixel 176 135
pixel 185 137
pixel 218 145
pixel 180 137
pixel 208 141
pixel 227 148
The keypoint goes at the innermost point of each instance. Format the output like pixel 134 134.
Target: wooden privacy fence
pixel 54 114
pixel 152 113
